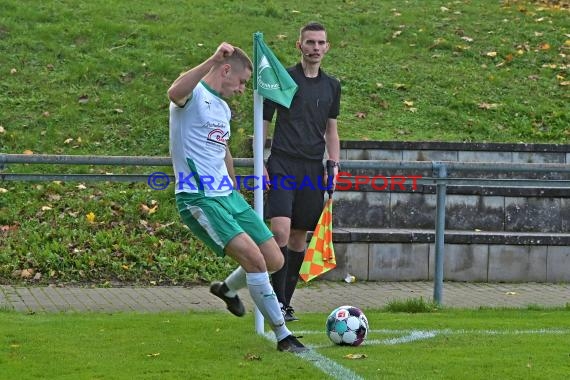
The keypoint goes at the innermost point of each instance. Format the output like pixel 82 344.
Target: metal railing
pixel 440 170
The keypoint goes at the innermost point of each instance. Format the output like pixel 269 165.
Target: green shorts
pixel 217 220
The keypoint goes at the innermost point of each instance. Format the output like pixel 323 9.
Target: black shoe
pixel 289 314
pixel 233 304
pixel 291 344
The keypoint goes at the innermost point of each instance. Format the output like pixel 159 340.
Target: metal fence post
pixel 441 189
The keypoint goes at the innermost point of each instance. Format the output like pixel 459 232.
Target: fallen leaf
pixel 153 355
pixel 491 54
pixel 3 190
pixel 356 356
pixel 511 293
pixel 396 33
pixel 81 187
pixel 565 83
pixel 360 115
pixel 13 71
pixel 488 106
pixel 544 46
pixel 83 99
pixel 118 110
pixel 46 208
pixel 27 273
pixel 67 141
pixel 27 151
pixel 148 210
pixel 249 356
pixel 8 228
pixel 281 37
pixel 468 39
pixel 2 130
pixel 408 103
pixel 90 217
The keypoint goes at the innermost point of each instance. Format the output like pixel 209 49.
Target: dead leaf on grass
pixel 148 210
pixel 90 217
pixel 356 356
pixel 487 106
pixel 250 356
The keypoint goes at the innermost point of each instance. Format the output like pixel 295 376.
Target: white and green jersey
pixel 199 132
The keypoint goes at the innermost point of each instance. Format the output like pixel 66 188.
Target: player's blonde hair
pixel 239 60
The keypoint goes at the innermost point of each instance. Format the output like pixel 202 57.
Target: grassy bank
pixel 91 78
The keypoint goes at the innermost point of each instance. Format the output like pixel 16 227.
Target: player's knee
pixel 275 263
pixel 281 235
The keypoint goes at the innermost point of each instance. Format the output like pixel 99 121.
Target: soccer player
pixel 301 134
pixel 214 211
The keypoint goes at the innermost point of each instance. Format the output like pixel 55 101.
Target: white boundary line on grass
pixel 328 366
pixel 417 335
pixel 337 371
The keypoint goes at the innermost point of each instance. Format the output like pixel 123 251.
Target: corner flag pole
pixel 271 81
pixel 258 145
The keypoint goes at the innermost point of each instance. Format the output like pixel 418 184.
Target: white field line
pixel 410 336
pixel 328 366
pixel 337 371
pixel 546 331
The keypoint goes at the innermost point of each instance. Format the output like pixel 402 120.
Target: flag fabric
pixel 320 257
pixel 271 79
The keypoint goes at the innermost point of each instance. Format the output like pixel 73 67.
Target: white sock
pixel 266 301
pixel 235 281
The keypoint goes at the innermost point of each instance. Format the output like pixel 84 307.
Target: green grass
pixel 412 305
pixel 475 344
pixel 91 78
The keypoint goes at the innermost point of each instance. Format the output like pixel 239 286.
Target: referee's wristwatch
pixel 333 164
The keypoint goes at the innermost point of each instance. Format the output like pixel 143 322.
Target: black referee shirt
pixel 299 130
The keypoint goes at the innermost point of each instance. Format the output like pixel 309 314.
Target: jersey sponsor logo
pixel 213 125
pixel 218 137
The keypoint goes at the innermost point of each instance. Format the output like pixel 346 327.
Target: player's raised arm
pixel 182 88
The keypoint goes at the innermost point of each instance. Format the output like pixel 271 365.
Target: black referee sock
pixel 294 262
pixel 278 278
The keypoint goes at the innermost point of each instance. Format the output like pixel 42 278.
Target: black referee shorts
pixel 297 191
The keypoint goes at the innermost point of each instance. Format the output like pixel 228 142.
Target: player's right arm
pixel 182 88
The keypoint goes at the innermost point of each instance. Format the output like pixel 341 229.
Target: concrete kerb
pixel 318 296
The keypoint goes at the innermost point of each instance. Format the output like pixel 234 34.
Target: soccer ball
pixel 347 326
